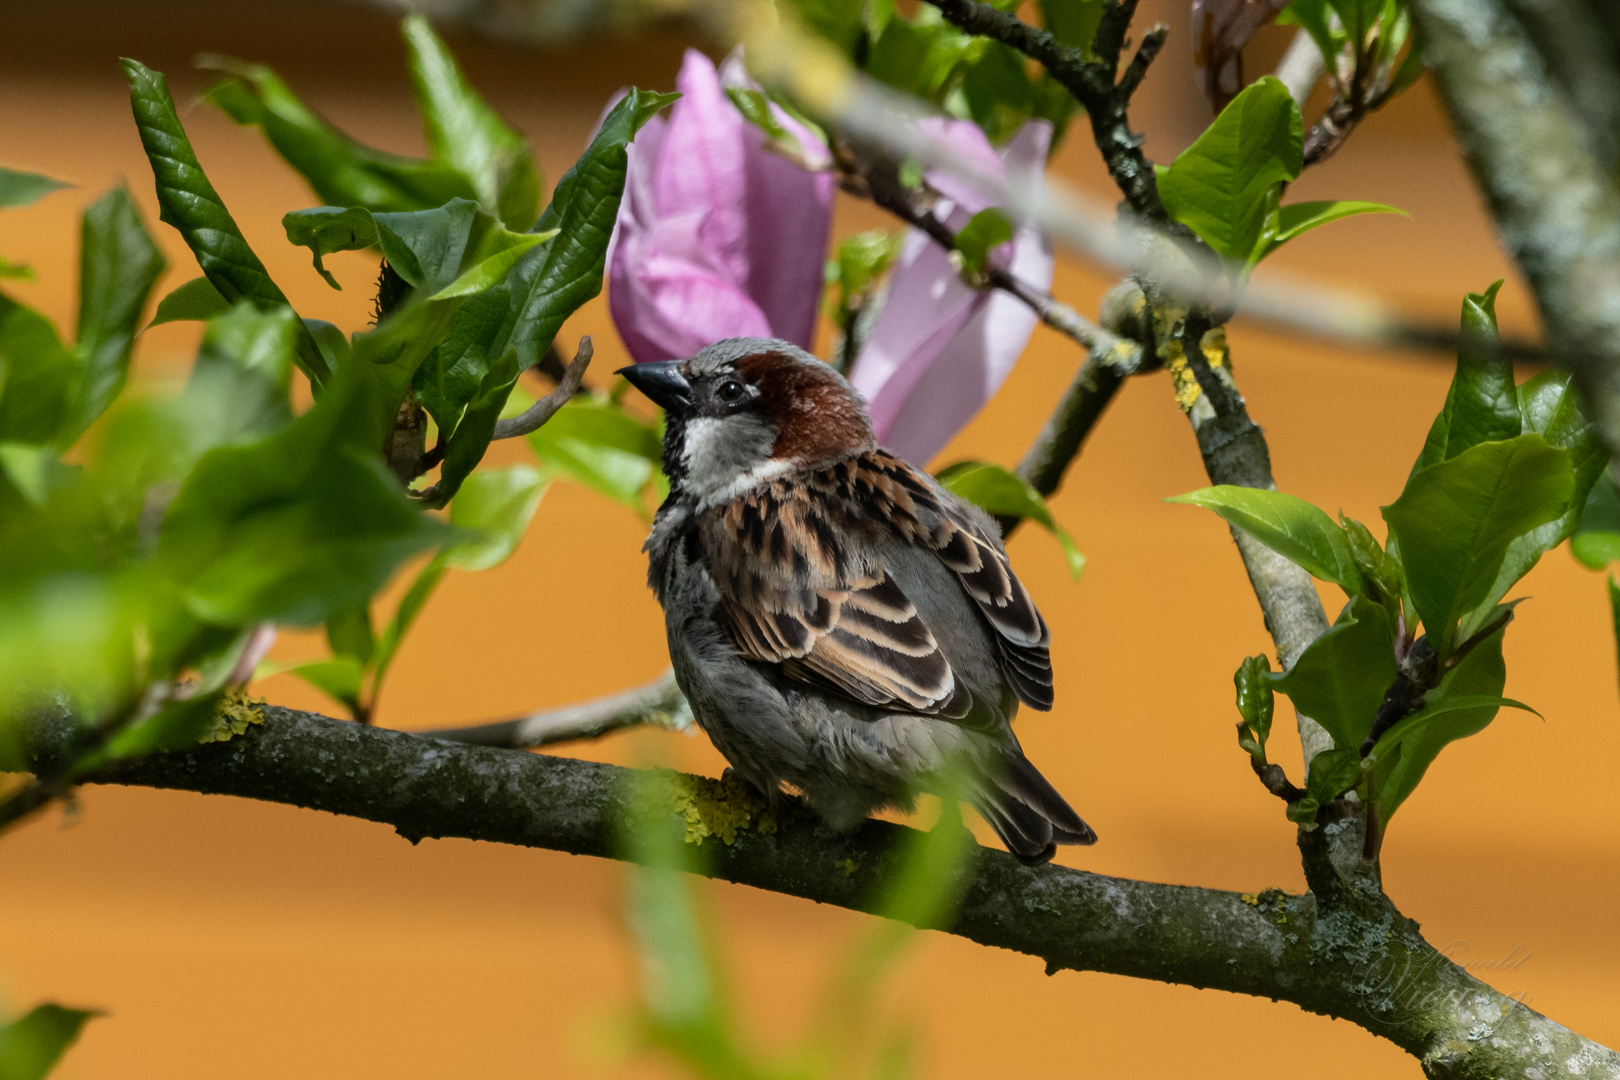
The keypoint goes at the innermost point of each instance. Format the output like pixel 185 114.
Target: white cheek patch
pixel 726 456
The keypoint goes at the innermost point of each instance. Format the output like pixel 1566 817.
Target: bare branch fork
pixel 1342 951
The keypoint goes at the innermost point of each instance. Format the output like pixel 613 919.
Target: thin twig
pixel 532 418
pixel 1301 67
pixel 659 702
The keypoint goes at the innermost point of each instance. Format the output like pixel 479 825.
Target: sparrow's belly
pixel 848 760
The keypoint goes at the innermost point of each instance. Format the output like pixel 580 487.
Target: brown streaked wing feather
pixel 979 562
pixel 798 602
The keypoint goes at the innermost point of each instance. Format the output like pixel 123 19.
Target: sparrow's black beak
pixel 663 383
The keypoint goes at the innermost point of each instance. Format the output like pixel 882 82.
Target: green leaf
pixel 1312 15
pixel 555 280
pixel 1378 568
pixel 756 109
pixel 466 446
pixel 1614 612
pixel 178 725
pixel 465 133
pixel 326 229
pixel 1551 408
pixel 984 232
pixel 196 300
pixel 339 678
pixel 1465 702
pixel 1288 525
pixel 1482 404
pixel 997 90
pixel 348 633
pixel 1296 219
pixel 1255 703
pixel 25 188
pixel 1456 520
pixel 1224 185
pixel 1596 542
pixel 410 606
pixel 1332 773
pixel 600 446
pixel 190 204
pixel 998 491
pixel 31 1046
pixel 40 379
pixel 239 384
pixel 340 170
pixel 297 526
pixel 1340 679
pixel 494 507
pixel 118 265
pixel 450 375
pixel 1072 22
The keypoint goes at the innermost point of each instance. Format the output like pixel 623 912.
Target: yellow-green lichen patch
pixel 721 808
pixel 848 866
pixel 1252 899
pixel 237 712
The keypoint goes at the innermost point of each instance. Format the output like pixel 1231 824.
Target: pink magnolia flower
pixel 940 349
pixel 717 236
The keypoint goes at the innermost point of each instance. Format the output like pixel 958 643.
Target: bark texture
pixel 1341 951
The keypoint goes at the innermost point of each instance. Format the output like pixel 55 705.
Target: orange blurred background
pixel 230 938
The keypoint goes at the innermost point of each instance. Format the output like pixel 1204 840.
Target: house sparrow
pixel 840 622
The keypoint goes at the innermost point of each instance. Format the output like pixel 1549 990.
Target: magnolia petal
pixel 790 214
pixel 716 236
pixel 940 350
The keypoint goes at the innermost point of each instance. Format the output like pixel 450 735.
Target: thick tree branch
pixel 1346 954
pixel 659 702
pixel 1557 209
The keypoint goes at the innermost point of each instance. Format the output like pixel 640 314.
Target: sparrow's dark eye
pixel 731 390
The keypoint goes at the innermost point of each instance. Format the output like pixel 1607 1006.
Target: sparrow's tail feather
pixel 1028 814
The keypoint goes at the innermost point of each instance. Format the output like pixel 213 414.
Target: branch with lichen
pixel 1343 952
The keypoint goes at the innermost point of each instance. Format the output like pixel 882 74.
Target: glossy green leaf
pixel 1296 219
pixel 1313 17
pixel 297 526
pixel 1255 703
pixel 239 385
pixel 450 375
pixel 1340 679
pixel 1332 773
pixel 118 265
pixel 40 378
pixel 190 204
pixel 31 1045
pixel 465 133
pixel 19 188
pixel 1287 524
pixel 552 282
pixel 998 491
pixel 1224 185
pixel 494 506
pixel 1378 568
pixel 1482 404
pixel 196 300
pixel 600 446
pixel 325 229
pixel 984 232
pixel 1456 520
pixel 340 170
pixel 1474 686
